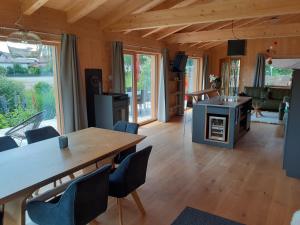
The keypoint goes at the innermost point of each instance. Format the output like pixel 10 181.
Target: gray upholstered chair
pixel 129 176
pixel 124 126
pixel 84 200
pixel 6 143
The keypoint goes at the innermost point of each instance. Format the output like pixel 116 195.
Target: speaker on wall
pixel 236 47
pixel 93 83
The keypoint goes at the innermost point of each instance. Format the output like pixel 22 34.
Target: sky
pixel 3 46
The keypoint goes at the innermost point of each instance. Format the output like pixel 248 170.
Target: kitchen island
pixel 221 121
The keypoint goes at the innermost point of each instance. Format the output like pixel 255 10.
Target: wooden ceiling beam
pixel 239 24
pixel 30 6
pixel 263 31
pixel 210 12
pixel 152 32
pixel 83 8
pixel 122 11
pixel 211 45
pixel 215 27
pixel 169 31
pixel 169 4
pixel 177 5
pixel 148 6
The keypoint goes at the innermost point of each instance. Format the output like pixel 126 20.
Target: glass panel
pixel 234 77
pixel 145 99
pixel 278 76
pixel 128 62
pixel 190 78
pixel 27 86
pixel 224 75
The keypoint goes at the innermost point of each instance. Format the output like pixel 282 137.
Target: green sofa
pixel 267 98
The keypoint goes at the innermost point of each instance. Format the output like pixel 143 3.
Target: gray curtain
pixel 163 100
pixel 205 72
pixel 259 75
pixel 73 103
pixel 118 70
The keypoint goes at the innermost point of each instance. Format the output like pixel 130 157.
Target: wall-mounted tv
pixel 236 47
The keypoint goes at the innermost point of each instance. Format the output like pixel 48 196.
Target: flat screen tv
pixel 236 47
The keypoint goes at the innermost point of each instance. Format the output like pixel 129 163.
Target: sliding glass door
pixel 140 84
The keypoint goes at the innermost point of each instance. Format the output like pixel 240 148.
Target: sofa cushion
pixel 271 105
pixel 279 93
pixel 256 92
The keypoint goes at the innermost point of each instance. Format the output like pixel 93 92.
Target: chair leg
pixel 119 203
pixel 138 202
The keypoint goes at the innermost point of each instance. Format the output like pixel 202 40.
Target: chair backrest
pixel 124 126
pixel 7 143
pixel 133 169
pixel 40 134
pixel 86 197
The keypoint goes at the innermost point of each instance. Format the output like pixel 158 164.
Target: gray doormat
pixel 190 216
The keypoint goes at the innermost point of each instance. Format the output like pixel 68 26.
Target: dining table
pixel 26 169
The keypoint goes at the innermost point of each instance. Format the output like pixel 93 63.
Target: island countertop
pixel 219 101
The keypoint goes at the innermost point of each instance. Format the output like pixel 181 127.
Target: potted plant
pixel 215 81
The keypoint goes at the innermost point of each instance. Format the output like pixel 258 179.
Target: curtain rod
pixel 37 32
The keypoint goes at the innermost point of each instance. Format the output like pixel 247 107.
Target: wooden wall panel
pixel 287 48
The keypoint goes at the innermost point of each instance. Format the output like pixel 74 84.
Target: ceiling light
pixel 24 44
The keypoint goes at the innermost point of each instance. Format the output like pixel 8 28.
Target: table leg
pixel 14 212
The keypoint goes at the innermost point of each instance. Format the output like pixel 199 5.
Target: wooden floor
pixel 246 185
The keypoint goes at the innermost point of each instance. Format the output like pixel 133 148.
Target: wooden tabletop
pixel 202 92
pixel 30 167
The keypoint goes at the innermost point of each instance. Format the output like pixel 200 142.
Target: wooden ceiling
pixel 199 24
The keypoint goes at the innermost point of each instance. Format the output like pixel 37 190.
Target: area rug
pixel 268 117
pixel 191 216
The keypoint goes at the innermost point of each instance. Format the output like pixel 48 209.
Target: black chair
pixel 132 128
pixel 6 143
pixel 129 176
pixel 84 200
pixel 41 134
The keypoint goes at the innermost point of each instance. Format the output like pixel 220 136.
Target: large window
pixel 140 85
pixel 277 74
pixel 193 76
pixel 27 87
pixel 230 73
